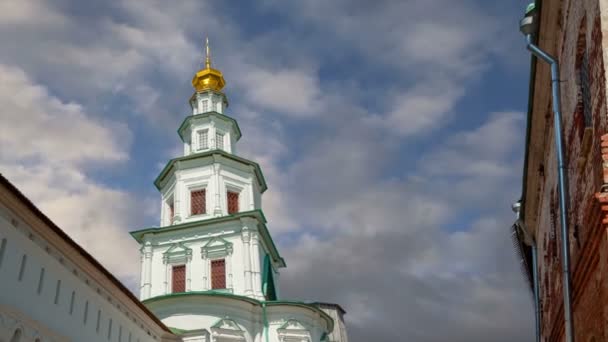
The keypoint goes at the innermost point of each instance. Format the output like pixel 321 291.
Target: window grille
pixel 233 202
pixel 197 202
pixel 218 274
pixel 178 279
pixel 205 105
pixel 219 141
pixel 203 140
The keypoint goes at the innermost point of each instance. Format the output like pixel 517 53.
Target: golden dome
pixel 208 78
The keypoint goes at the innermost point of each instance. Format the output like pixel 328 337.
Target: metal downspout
pixel 562 184
pixel 265 331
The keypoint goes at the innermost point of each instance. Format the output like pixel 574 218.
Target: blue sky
pixel 390 134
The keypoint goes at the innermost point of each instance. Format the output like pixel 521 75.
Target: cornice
pixel 216 157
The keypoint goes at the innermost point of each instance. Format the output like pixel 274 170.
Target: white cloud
pixel 286 91
pixel 401 248
pixel 482 152
pixel 30 13
pixel 38 125
pixel 45 147
pixel 421 109
pixel 263 143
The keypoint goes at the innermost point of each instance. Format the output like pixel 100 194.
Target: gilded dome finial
pixel 208 78
pixel 207 54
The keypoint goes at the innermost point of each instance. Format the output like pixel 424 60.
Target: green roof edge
pixel 258 170
pixel 210 113
pixel 177 331
pixel 256 213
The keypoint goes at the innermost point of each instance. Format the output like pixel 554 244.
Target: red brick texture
pixel 579 45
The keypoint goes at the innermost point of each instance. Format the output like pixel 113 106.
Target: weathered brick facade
pixel 573 31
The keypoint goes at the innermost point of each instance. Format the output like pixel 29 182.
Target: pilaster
pixel 246 238
pixel 217 210
pixel 255 264
pixel 147 270
pixel 177 200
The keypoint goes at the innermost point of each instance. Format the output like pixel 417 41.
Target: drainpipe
pixel 527 27
pixel 265 331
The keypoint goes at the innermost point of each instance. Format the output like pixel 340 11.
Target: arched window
pixel 16 336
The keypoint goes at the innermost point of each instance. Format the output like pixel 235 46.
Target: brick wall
pixel 580 49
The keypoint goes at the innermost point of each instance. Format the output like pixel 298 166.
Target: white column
pixel 142 275
pixel 212 135
pixel 217 211
pixel 251 198
pixel 163 212
pixel 229 271
pixel 255 255
pixel 245 235
pixel 177 200
pixel 167 277
pixel 205 272
pixel 188 273
pixel 147 270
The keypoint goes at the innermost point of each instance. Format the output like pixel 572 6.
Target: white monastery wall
pixel 42 283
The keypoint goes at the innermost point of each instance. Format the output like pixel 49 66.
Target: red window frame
pixel 198 202
pixel 233 202
pixel 218 274
pixel 178 278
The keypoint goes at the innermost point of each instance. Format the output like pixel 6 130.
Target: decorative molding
pixel 215 248
pixel 293 331
pixel 226 329
pixel 178 252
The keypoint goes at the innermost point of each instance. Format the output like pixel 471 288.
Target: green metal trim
pixel 212 113
pixel 171 163
pixel 265 318
pixel 256 214
pixel 177 331
pixel 268 286
pixel 200 294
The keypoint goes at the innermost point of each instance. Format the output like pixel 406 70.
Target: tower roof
pixel 208 78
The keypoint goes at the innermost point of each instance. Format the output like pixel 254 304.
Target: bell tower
pixel 212 234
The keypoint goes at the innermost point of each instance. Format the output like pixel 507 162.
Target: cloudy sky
pixel 390 133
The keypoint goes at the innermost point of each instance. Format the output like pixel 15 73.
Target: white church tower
pixel 210 271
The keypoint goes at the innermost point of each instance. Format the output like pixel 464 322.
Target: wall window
pixel 233 202
pixel 219 141
pixel 205 106
pixel 197 202
pixel 218 274
pixel 178 278
pixel 203 139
